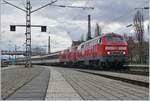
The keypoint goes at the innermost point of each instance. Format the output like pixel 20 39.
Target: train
pixel 107 50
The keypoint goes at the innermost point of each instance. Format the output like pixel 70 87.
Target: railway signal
pixel 43 28
pixel 12 28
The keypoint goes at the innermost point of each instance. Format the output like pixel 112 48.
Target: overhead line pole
pixel 28 24
pixel 28 28
pixel 28 35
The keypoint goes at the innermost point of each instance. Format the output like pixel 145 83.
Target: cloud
pixel 112 16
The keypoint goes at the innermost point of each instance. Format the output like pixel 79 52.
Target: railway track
pixel 130 72
pixel 129 78
pixel 125 69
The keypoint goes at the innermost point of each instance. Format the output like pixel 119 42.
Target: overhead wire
pixel 74 18
pixel 86 3
pixel 23 2
pixel 68 23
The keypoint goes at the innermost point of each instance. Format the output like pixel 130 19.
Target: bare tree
pixel 139 29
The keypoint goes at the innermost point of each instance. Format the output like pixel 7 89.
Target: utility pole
pixel 148 28
pixel 49 48
pixel 28 24
pixel 9 50
pixel 15 54
pixel 28 28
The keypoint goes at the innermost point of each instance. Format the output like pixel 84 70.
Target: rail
pixel 135 67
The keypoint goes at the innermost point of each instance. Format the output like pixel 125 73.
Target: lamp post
pixel 49 44
pixel 16 47
pixel 9 50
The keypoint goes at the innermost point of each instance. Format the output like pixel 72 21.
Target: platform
pixel 59 88
pixel 59 83
pixel 35 89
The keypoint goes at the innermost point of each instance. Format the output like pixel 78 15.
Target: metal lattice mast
pixel 28 35
pixel 28 25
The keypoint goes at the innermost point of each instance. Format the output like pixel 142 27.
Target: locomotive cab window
pixel 114 39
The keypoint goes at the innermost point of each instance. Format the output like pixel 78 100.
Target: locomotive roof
pixel 79 46
pixel 98 37
pixel 111 34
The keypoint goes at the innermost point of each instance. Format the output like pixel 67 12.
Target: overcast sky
pixel 67 24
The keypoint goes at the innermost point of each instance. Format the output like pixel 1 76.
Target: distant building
pixel 75 43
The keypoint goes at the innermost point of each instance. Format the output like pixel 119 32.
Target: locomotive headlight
pixel 124 53
pixel 108 53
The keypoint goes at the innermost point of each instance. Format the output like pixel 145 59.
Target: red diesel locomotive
pixel 105 50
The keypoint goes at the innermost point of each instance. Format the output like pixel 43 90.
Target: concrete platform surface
pixel 12 66
pixel 59 88
pixel 58 83
pixel 13 78
pixel 34 90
